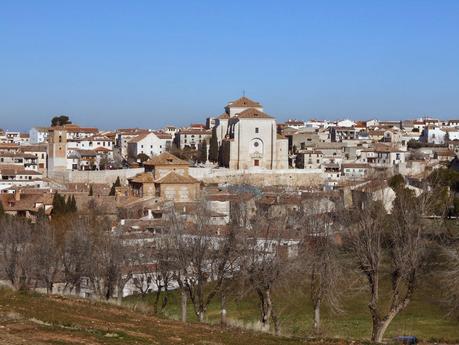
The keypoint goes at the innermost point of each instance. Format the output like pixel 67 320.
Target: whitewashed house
pixel 151 144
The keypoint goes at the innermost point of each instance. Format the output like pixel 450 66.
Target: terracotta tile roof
pixel 33 148
pixel 86 153
pixel 165 158
pixel 25 203
pixel 173 178
pixel 77 129
pixel 12 170
pixel 8 146
pixel 97 138
pixel 253 113
pixel 17 154
pixel 446 153
pixel 131 131
pixel 143 178
pixel 223 116
pixel 385 148
pixel 102 149
pixel 138 138
pixel 162 135
pixel 197 131
pixel 243 102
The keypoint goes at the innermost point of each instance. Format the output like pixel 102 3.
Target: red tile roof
pixel 243 102
pixel 253 113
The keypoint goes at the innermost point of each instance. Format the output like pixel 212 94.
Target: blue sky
pixel 150 63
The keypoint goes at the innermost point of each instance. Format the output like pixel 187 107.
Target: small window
pixel 257 130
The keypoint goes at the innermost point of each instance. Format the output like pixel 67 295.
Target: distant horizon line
pixel 23 129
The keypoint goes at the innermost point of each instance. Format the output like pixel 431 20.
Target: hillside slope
pixel 28 318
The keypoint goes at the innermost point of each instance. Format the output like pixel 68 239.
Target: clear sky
pixel 150 63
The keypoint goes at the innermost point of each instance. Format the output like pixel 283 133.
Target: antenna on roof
pixel 243 93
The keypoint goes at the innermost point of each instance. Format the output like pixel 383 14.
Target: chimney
pixel 150 214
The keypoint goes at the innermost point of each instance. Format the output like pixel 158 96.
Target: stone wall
pixel 96 176
pixel 259 177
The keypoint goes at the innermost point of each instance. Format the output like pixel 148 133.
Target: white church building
pixel 247 137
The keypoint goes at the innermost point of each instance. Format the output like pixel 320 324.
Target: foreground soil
pixel 29 318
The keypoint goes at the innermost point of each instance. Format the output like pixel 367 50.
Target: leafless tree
pixel 265 260
pixel 143 272
pixel 164 267
pixel 319 259
pixel 46 253
pixel 154 268
pixel 450 279
pixel 15 242
pixel 77 255
pixel 203 257
pixel 390 245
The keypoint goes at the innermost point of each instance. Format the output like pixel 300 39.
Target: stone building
pixel 166 177
pixel 57 149
pixel 248 138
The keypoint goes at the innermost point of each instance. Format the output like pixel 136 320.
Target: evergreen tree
pixel 142 157
pixel 112 190
pixel 213 149
pixel 91 192
pixel 202 156
pixel 41 215
pixel 118 182
pixel 60 121
pixel 299 162
pixel 59 205
pixel 73 205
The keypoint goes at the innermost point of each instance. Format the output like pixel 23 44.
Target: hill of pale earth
pixel 30 318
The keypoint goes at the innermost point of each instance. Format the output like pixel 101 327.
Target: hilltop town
pixel 241 201
pixel 243 141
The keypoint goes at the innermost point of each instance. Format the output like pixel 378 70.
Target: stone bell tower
pixel 57 149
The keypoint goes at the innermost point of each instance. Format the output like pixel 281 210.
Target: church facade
pixel 247 137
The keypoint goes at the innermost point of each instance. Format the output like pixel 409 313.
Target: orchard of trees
pixel 265 251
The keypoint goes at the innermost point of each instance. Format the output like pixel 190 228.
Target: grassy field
pixel 28 318
pixel 425 317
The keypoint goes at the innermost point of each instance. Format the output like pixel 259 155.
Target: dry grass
pixel 37 319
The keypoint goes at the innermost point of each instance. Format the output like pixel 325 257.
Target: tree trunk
pixel 380 326
pixel 267 309
pixel 201 315
pixel 158 294
pixel 119 295
pixel 316 321
pixel 49 288
pixel 183 304
pixel 223 311
pixel 165 299
pixel 276 322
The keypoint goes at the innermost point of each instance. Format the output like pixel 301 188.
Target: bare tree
pixel 319 259
pixel 265 261
pixel 143 272
pixel 450 280
pixel 15 250
pixel 203 257
pixel 77 255
pixel 393 244
pixel 46 253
